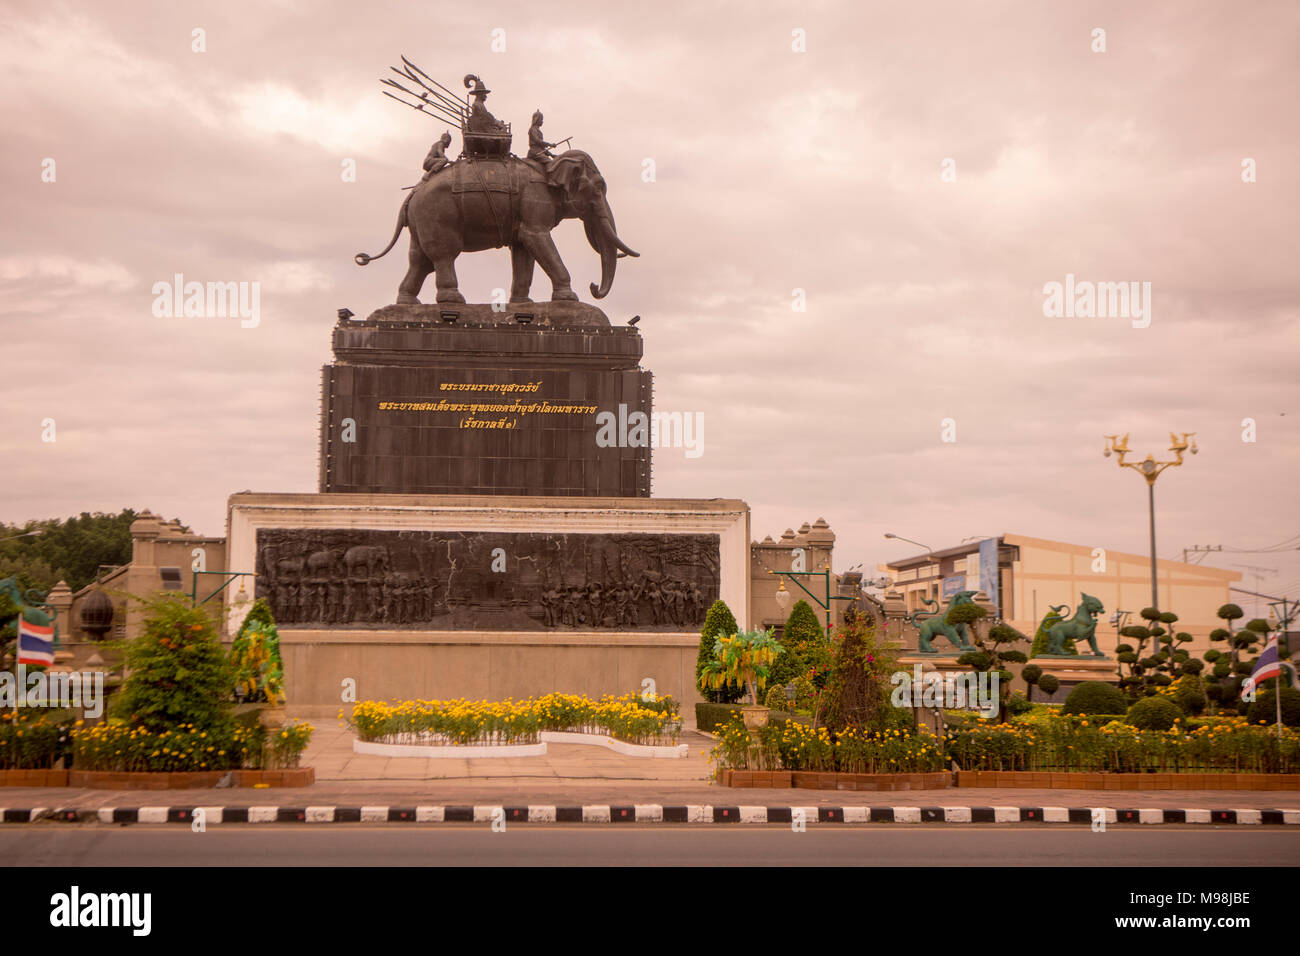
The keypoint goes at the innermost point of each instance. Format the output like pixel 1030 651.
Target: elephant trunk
pixel 604 239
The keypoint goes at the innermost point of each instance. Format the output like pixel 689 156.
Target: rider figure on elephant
pixel 480 120
pixel 437 158
pixel 539 150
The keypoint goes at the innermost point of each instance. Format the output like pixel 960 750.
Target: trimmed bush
pixel 1095 697
pixel 1264 707
pixel 719 622
pixel 1189 694
pixel 710 716
pixel 1049 684
pixel 1153 713
pixel 1018 704
pixel 776 699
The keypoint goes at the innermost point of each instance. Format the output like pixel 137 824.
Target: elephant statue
pixel 475 204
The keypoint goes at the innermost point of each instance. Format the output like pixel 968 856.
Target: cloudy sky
pixel 775 170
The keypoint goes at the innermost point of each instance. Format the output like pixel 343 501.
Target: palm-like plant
pixel 741 660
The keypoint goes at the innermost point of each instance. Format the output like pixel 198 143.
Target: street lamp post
pixel 229 578
pixel 1150 470
pixel 783 596
pixel 25 534
pixel 929 553
pixel 899 537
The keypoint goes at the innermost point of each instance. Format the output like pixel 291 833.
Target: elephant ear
pixel 567 174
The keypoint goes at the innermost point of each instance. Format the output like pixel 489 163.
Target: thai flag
pixel 1268 665
pixel 35 643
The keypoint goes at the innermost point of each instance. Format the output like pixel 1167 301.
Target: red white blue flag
pixel 1269 664
pixel 35 643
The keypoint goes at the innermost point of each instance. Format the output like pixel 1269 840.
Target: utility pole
pixel 1197 549
pixel 1257 572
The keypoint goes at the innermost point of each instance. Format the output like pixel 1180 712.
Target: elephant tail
pixel 363 259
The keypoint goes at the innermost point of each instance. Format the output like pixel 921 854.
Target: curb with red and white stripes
pixel 647 813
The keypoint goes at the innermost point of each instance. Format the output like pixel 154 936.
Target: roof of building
pixel 1020 540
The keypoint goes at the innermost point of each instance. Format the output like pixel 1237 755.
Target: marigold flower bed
pixel 1032 752
pixel 503 723
pixel 116 747
pixel 1059 744
pixel 793 746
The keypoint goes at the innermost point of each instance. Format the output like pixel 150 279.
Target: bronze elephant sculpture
pixel 476 204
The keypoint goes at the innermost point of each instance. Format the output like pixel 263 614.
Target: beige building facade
pixel 1035 574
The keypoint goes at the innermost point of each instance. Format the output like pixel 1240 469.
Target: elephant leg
pixel 539 244
pixel 417 270
pixel 521 262
pixel 448 287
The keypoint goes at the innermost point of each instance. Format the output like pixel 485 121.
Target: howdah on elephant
pixel 476 204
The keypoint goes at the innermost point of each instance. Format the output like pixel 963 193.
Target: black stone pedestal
pixel 462 399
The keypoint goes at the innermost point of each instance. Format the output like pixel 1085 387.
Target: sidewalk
pixel 331 754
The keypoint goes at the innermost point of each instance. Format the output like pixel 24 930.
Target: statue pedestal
pixel 442 597
pixel 932 662
pixel 1076 668
pixel 461 399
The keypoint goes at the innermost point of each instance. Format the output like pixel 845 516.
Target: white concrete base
pixel 433 751
pixel 447 750
pixel 670 752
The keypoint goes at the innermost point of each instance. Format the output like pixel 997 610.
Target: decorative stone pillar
pixel 60 598
pixel 896 630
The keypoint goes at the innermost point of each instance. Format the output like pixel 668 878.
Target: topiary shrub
pixel 719 622
pixel 1018 704
pixel 177 673
pixel 1154 713
pixel 1049 684
pixel 1095 697
pixel 1264 707
pixel 776 699
pixel 1189 694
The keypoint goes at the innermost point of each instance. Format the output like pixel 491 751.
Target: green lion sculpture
pixel 31 605
pixel 936 624
pixel 1081 627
